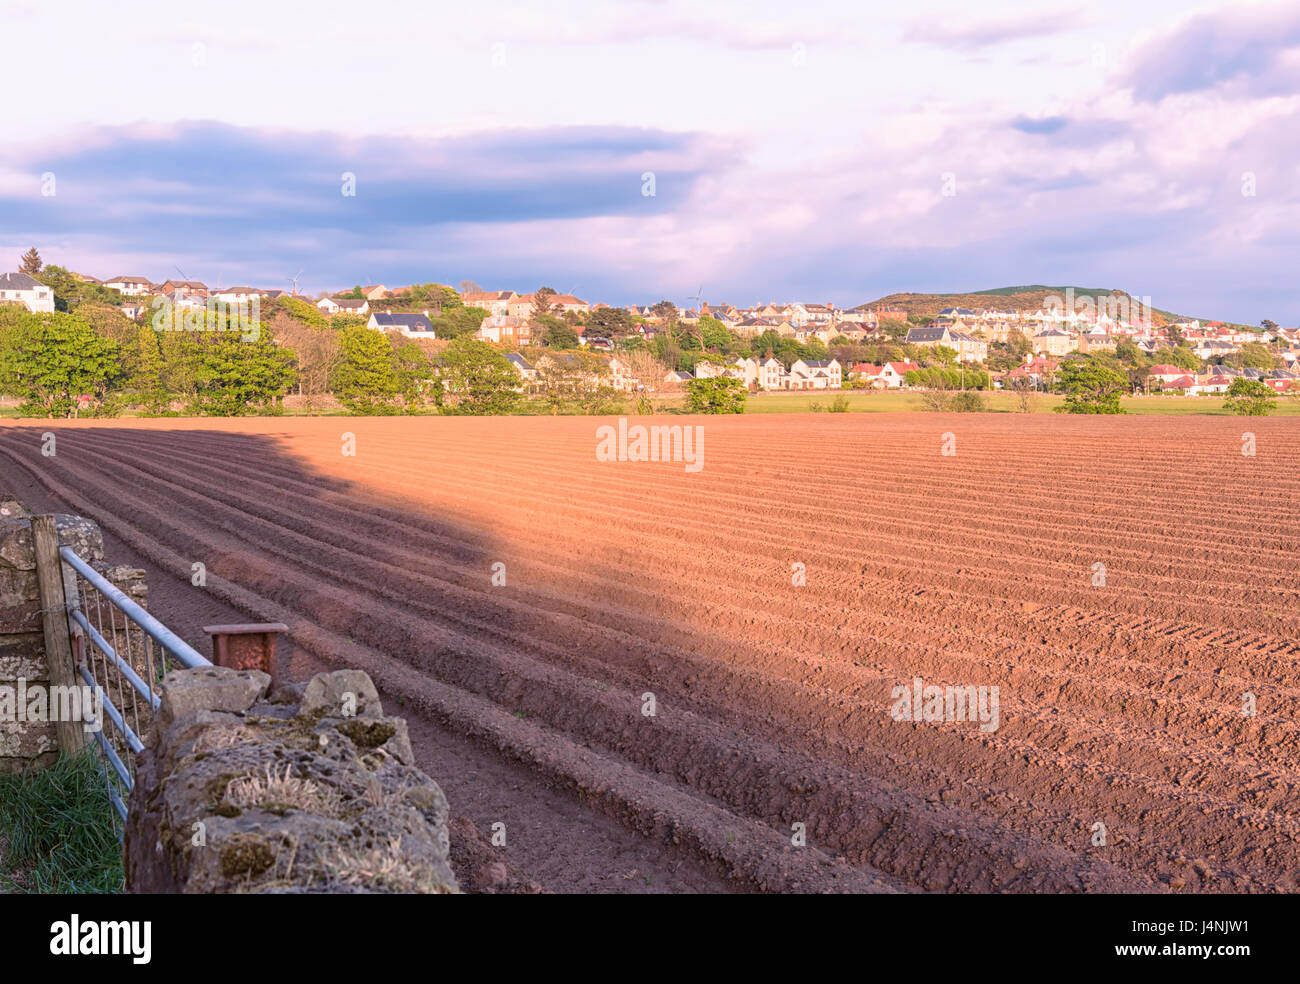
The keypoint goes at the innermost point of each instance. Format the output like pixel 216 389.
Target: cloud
pixel 1045 125
pixel 1251 49
pixel 988 31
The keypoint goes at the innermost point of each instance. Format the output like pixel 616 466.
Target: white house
pixel 771 374
pixel 16 287
pixel 815 374
pixel 328 305
pixel 410 325
pixel 130 286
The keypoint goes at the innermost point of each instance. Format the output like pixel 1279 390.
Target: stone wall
pixel 22 643
pixel 314 792
pixel 22 640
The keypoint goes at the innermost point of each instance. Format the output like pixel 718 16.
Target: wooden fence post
pixel 54 615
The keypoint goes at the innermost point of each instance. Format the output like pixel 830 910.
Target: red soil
pixel 1120 705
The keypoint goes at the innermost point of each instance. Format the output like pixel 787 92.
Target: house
pixel 521 366
pixel 1053 341
pixel 129 285
pixel 504 328
pixel 344 305
pixel 771 374
pixel 525 306
pixel 969 347
pixel 815 374
pixel 679 377
pixel 18 288
pixel 819 314
pixel 236 295
pixel 188 286
pixel 931 336
pixel 1096 341
pixel 625 381
pixel 374 292
pixel 1036 370
pixel 1164 373
pixel 492 301
pixel 410 325
pixel 888 376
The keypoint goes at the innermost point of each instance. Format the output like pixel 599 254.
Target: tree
pixel 608 322
pixel 317 350
pixel 236 376
pixel 50 361
pixel 720 394
pixel 1175 335
pixel 1180 356
pixel 469 287
pixel 366 380
pixel 666 310
pixel 477 379
pixel 1025 391
pixel 542 301
pixel 69 292
pixel 414 373
pixel 30 262
pixel 1250 398
pixel 557 334
pixel 1254 355
pixel 147 371
pixel 1090 387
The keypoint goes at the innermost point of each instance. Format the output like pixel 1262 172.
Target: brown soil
pixel 1121 704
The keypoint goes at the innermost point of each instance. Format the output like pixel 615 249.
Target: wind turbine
pixel 294 280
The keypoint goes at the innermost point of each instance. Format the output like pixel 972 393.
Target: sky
pixel 654 149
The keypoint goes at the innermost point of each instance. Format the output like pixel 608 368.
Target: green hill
pixel 1030 297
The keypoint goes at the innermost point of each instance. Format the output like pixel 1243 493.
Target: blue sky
pixel 797 153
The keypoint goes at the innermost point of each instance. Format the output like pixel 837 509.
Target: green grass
pixel 893 401
pixel 57 830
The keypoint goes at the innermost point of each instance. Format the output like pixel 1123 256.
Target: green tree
pixel 297 308
pixel 147 371
pixel 30 262
pixel 1254 355
pixel 557 334
pixel 366 380
pixel 48 361
pixel 1250 398
pixel 666 310
pixel 477 379
pixel 69 292
pixel 718 395
pixel 236 377
pixel 1090 387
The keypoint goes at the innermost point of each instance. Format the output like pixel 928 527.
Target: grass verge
pixel 56 830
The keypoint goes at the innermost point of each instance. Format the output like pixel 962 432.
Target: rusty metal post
pixel 246 647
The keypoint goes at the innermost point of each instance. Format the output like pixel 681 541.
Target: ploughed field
pixel 1123 757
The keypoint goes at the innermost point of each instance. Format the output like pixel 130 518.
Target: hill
pixel 1030 297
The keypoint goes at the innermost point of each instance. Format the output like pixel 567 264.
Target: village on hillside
pixel 766 347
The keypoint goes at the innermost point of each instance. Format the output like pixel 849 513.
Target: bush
pixel 840 404
pixel 1250 398
pixel 967 401
pixel 718 395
